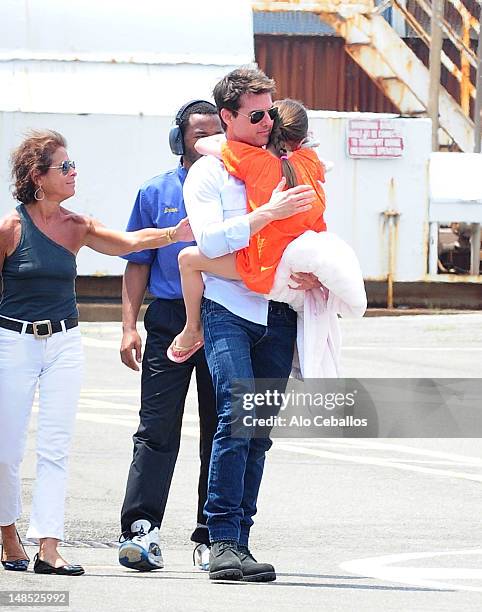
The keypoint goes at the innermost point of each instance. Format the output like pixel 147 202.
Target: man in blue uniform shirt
pixel 164 383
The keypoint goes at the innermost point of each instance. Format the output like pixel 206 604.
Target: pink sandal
pixel 190 351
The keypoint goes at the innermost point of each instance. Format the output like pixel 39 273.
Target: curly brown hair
pixel 33 155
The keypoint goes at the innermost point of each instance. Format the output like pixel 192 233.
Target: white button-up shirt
pixel 216 206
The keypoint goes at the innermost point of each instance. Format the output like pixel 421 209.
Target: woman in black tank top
pixel 39 337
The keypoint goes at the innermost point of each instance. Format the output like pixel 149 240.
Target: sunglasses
pixel 257 115
pixel 65 166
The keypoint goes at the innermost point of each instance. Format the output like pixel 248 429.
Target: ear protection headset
pixel 176 141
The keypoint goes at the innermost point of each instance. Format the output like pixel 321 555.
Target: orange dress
pixel 261 172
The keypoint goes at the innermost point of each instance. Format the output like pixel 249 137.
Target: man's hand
pixel 306 281
pixel 131 342
pixel 284 204
pixel 183 231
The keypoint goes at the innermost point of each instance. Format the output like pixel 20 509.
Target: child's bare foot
pixel 185 344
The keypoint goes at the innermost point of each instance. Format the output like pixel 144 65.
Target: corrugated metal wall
pixel 318 71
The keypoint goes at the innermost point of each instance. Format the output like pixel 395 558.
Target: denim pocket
pixel 208 307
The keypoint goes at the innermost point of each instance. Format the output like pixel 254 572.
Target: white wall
pixel 359 190
pixel 127 28
pixel 116 154
pixel 118 56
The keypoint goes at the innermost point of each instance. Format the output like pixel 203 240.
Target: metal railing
pixel 460 26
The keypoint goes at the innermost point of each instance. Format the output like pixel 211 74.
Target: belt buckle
pixel 37 324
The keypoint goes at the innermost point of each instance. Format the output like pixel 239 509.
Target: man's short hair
pixel 200 108
pixel 227 93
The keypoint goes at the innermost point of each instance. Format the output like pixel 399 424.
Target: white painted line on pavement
pixel 111 392
pixel 123 419
pixel 382 462
pixel 106 344
pixel 431 577
pixel 393 349
pixel 87 402
pixel 435 462
pixel 374 444
pixel 403 448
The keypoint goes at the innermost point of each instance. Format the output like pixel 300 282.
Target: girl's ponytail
pixel 277 140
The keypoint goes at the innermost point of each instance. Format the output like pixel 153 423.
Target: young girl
pixel 261 170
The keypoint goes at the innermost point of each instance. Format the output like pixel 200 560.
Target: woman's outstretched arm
pixel 114 242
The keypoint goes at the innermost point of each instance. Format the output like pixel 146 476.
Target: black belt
pixel 40 329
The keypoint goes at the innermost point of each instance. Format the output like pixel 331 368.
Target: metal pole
pixel 475 237
pixel 475 248
pixel 433 249
pixel 435 68
pixel 391 217
pixel 478 95
pixel 391 261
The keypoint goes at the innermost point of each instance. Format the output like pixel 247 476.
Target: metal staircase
pixel 380 51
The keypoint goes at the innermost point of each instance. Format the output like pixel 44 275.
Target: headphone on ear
pixel 176 141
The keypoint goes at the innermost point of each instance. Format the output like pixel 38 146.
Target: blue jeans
pixel 239 349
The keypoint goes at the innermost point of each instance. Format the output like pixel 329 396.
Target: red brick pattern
pixel 374 138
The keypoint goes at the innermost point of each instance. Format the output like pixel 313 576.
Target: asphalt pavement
pixel 350 524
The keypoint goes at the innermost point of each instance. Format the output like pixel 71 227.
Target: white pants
pixel 55 364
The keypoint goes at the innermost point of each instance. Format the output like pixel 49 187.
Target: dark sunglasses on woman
pixel 65 166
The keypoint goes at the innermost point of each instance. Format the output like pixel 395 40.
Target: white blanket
pixel 335 264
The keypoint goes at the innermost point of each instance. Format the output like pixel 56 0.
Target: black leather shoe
pixel 42 567
pixel 254 571
pixel 18 565
pixel 224 563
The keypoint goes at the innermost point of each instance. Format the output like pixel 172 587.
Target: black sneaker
pixel 254 571
pixel 224 563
